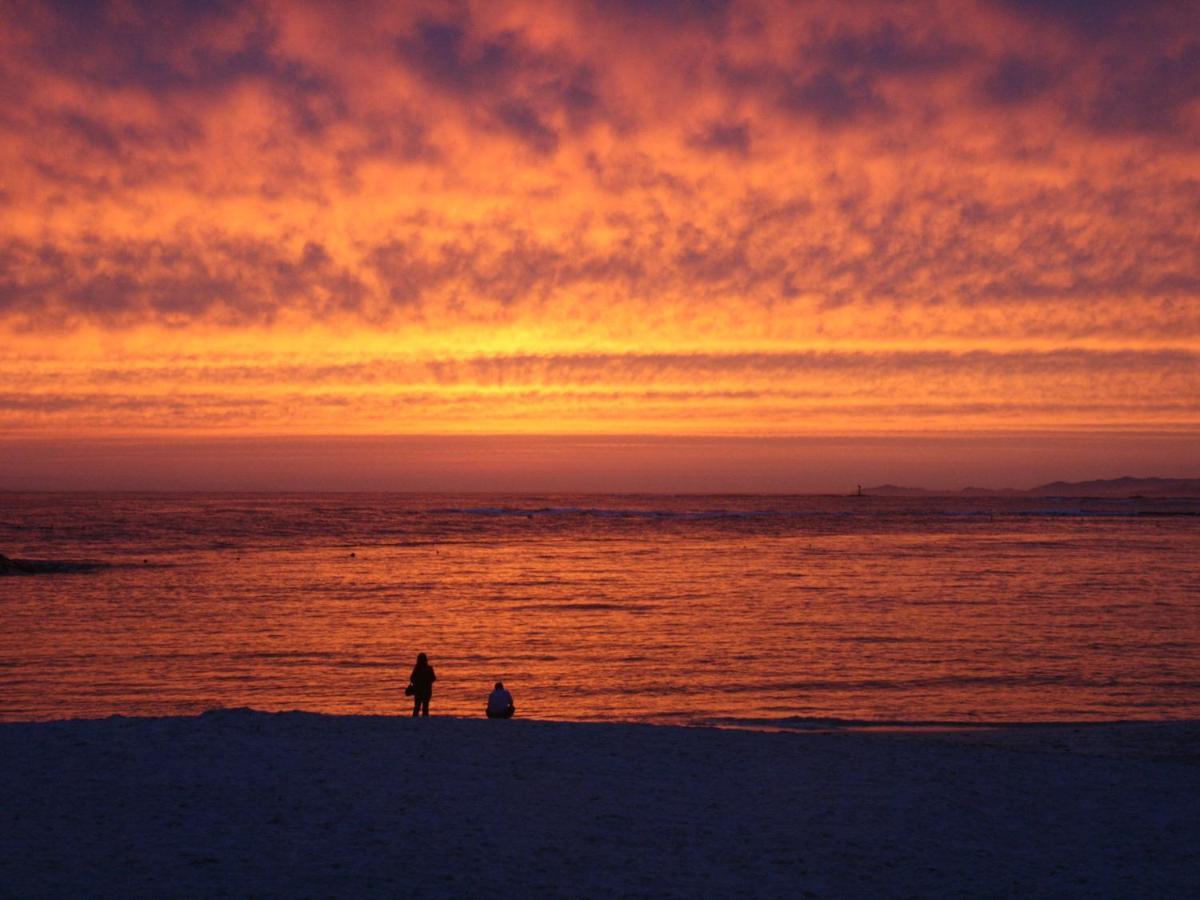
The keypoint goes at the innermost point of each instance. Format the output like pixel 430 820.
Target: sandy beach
pixel 243 802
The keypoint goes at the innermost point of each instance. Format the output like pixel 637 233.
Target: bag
pixel 410 690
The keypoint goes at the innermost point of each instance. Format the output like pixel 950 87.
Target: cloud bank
pixel 656 217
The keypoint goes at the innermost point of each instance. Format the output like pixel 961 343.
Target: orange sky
pixel 706 224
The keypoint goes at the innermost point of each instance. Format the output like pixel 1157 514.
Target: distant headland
pixel 1125 487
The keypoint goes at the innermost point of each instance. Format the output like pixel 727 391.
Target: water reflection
pixel 682 609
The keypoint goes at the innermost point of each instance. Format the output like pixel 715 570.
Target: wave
pixel 581 607
pixel 606 513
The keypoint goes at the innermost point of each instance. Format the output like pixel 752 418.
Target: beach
pixel 245 802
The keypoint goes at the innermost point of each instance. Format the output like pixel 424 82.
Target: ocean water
pixel 766 611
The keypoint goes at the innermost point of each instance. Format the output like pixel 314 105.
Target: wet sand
pixel 241 802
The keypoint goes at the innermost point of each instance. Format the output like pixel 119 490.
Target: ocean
pixel 752 611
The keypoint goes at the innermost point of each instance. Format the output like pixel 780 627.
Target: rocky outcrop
pixel 14 566
pixel 9 566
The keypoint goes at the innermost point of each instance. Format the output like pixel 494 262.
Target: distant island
pixel 1125 487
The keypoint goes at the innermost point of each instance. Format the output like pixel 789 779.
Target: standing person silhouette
pixel 422 679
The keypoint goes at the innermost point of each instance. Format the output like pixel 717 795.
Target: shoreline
pixel 238 801
pixel 799 725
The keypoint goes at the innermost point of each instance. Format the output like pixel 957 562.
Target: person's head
pixel 499 685
pixel 422 659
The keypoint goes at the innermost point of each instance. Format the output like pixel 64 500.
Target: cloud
pixel 503 79
pixel 441 53
pixel 523 120
pixel 711 14
pixel 1089 17
pixel 729 138
pixel 830 96
pixel 176 281
pixel 1136 66
pixel 180 50
pixel 884 48
pixel 1029 263
pixel 611 392
pixel 1015 79
pixel 1152 97
pixel 161 47
pixel 564 197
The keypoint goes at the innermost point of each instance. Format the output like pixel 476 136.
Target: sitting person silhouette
pixel 500 705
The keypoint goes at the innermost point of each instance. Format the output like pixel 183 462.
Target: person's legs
pixel 424 706
pixel 416 705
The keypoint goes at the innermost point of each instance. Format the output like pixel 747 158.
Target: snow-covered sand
pixel 240 802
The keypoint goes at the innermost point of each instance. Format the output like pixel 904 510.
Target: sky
pixel 623 245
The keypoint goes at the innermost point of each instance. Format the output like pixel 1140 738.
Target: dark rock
pixel 10 566
pixel 14 566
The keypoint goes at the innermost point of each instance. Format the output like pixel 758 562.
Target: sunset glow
pixel 663 220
